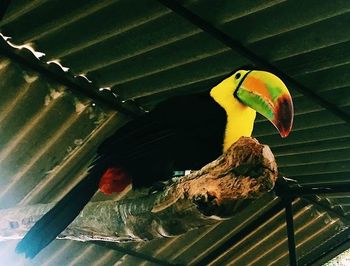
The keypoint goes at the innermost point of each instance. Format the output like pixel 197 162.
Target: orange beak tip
pixel 284 115
pixel 284 127
pixel 284 134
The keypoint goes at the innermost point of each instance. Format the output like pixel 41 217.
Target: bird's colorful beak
pixel 268 95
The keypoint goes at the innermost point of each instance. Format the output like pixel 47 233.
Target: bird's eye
pixel 238 75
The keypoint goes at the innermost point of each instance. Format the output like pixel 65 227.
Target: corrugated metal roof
pixel 145 53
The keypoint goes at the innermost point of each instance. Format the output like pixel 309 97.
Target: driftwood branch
pixel 246 171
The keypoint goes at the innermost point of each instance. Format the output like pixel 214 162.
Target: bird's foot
pixel 160 185
pixel 157 187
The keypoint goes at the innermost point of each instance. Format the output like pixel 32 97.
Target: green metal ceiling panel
pixel 146 52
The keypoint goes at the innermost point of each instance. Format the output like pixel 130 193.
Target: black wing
pixel 182 133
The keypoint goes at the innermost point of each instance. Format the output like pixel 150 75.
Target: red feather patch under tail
pixel 114 179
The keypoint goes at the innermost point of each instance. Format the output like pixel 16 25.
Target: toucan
pixel 181 133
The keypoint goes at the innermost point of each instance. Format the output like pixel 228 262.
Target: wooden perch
pixel 246 171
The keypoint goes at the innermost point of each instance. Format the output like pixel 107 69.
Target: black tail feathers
pixel 59 217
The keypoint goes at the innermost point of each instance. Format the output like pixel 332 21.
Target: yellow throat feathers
pixel 240 118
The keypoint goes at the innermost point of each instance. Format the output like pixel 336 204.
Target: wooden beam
pixel 246 171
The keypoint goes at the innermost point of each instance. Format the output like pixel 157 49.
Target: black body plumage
pixel 184 132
